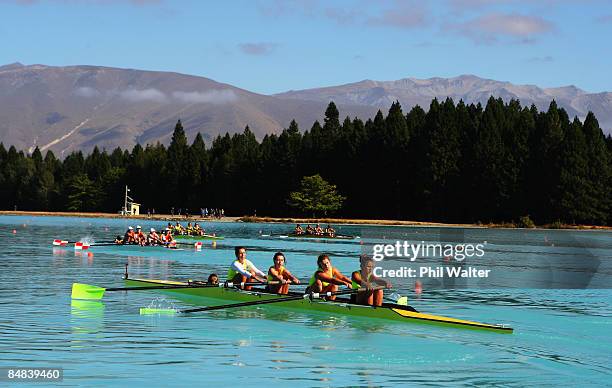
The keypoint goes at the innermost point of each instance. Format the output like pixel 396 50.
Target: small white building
pixel 130 208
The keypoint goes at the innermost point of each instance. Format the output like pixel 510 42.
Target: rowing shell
pixel 387 311
pixel 203 237
pixel 313 236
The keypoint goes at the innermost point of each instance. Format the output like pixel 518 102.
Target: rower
pixel 309 229
pixel 153 237
pixel 168 240
pixel 298 230
pixel 365 278
pixel 197 229
pixel 139 236
pixel 327 278
pixel 280 274
pixel 189 229
pixel 318 230
pixel 129 237
pixel 178 228
pixel 242 270
pixel 329 231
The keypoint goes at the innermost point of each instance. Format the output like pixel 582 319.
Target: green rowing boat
pixel 388 311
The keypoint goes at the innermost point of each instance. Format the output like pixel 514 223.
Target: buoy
pixel 214 244
pixel 14 231
pixel 198 246
pixel 418 288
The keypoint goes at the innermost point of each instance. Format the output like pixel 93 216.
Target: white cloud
pixel 490 28
pixel 86 91
pixel 134 95
pixel 215 96
pixel 211 96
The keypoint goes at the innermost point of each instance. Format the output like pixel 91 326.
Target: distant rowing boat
pixel 313 236
pixel 388 311
pixel 202 237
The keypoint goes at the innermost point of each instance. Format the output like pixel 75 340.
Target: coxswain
pixel 129 236
pixel 278 273
pixel 118 240
pixel 365 278
pixel 329 231
pixel 213 279
pixel 242 270
pixel 298 230
pixel 327 278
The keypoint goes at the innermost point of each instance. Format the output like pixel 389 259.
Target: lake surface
pixel 561 337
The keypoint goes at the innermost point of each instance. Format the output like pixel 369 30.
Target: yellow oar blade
pixel 156 311
pixel 87 291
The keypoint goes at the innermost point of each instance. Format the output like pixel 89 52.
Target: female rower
pixel 129 237
pixel 365 278
pixel 153 237
pixel 213 279
pixel 242 270
pixel 327 278
pixel 298 230
pixel 140 237
pixel 168 240
pixel 280 274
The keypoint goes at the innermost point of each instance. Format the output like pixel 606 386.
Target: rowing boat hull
pixel 314 236
pixel 205 237
pixel 387 311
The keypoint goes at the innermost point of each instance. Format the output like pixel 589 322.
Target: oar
pixel 88 291
pixel 311 295
pixel 60 242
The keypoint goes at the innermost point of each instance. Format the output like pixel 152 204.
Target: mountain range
pixel 78 107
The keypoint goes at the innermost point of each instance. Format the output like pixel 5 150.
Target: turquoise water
pixel 562 337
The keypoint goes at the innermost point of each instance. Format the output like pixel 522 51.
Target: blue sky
pixel 273 46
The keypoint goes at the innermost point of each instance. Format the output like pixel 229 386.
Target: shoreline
pixel 293 220
pixel 348 221
pixel 155 217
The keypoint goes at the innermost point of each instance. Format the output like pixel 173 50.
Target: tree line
pixel 454 163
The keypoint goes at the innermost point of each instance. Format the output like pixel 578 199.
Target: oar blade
pixel 157 311
pixel 87 291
